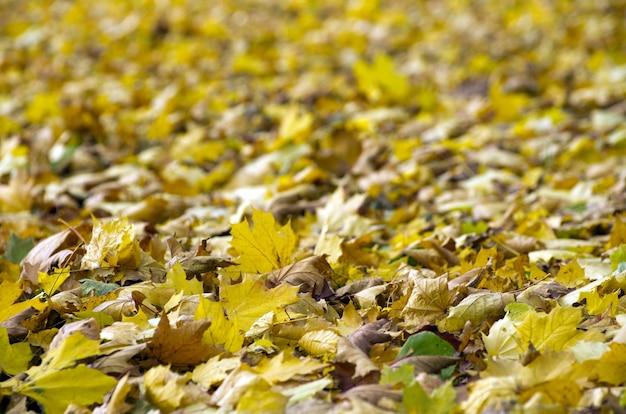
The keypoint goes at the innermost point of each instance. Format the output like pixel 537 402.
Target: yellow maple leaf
pixel 168 391
pixel 284 366
pixel 56 390
pixel 54 383
pixel 260 397
pixel 50 283
pixel 247 301
pixel 320 342
pixel 612 366
pixel 618 233
pixel 295 126
pixel 177 278
pixel 555 331
pixel 262 246
pixel 214 371
pixel 112 244
pixel 553 374
pixel 429 299
pixel 73 348
pixel 9 293
pixel 36 303
pixel 500 341
pixel 380 79
pixel 221 331
pixel 571 274
pixel 507 106
pixel 476 308
pixel 597 305
pixel 13 358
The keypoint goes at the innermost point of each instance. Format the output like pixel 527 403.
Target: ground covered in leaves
pixel 320 206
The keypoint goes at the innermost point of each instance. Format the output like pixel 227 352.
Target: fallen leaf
pixel 310 275
pixel 247 301
pixel 181 345
pixel 261 245
pixel 14 358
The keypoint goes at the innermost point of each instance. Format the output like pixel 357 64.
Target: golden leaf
pixel 56 390
pixel 612 366
pixel 320 342
pixel 555 331
pixel 261 245
pixel 247 301
pixel 285 366
pixel 222 331
pixel 571 274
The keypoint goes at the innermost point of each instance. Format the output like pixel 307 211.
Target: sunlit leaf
pixel 247 301
pixel 262 245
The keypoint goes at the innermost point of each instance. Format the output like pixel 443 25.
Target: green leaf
pixel 477 228
pixel 441 401
pixel 618 256
pixel 426 343
pixel 98 288
pixel 404 374
pixel 17 248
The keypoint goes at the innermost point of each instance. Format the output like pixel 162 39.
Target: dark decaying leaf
pixel 370 334
pixel 197 265
pixel 359 285
pixel 373 393
pixel 349 353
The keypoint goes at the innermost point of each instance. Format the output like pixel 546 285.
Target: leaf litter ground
pixel 270 206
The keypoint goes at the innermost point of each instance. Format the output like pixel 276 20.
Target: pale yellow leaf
pixel 214 371
pixel 501 341
pixel 477 308
pixel 320 342
pixel 285 366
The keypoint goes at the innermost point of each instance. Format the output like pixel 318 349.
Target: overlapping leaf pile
pixel 320 206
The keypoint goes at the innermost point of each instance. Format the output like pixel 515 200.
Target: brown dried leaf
pixel 50 251
pixel 181 345
pixel 350 353
pixel 203 264
pixel 311 274
pixel 373 393
pixel 369 334
pixel 359 285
